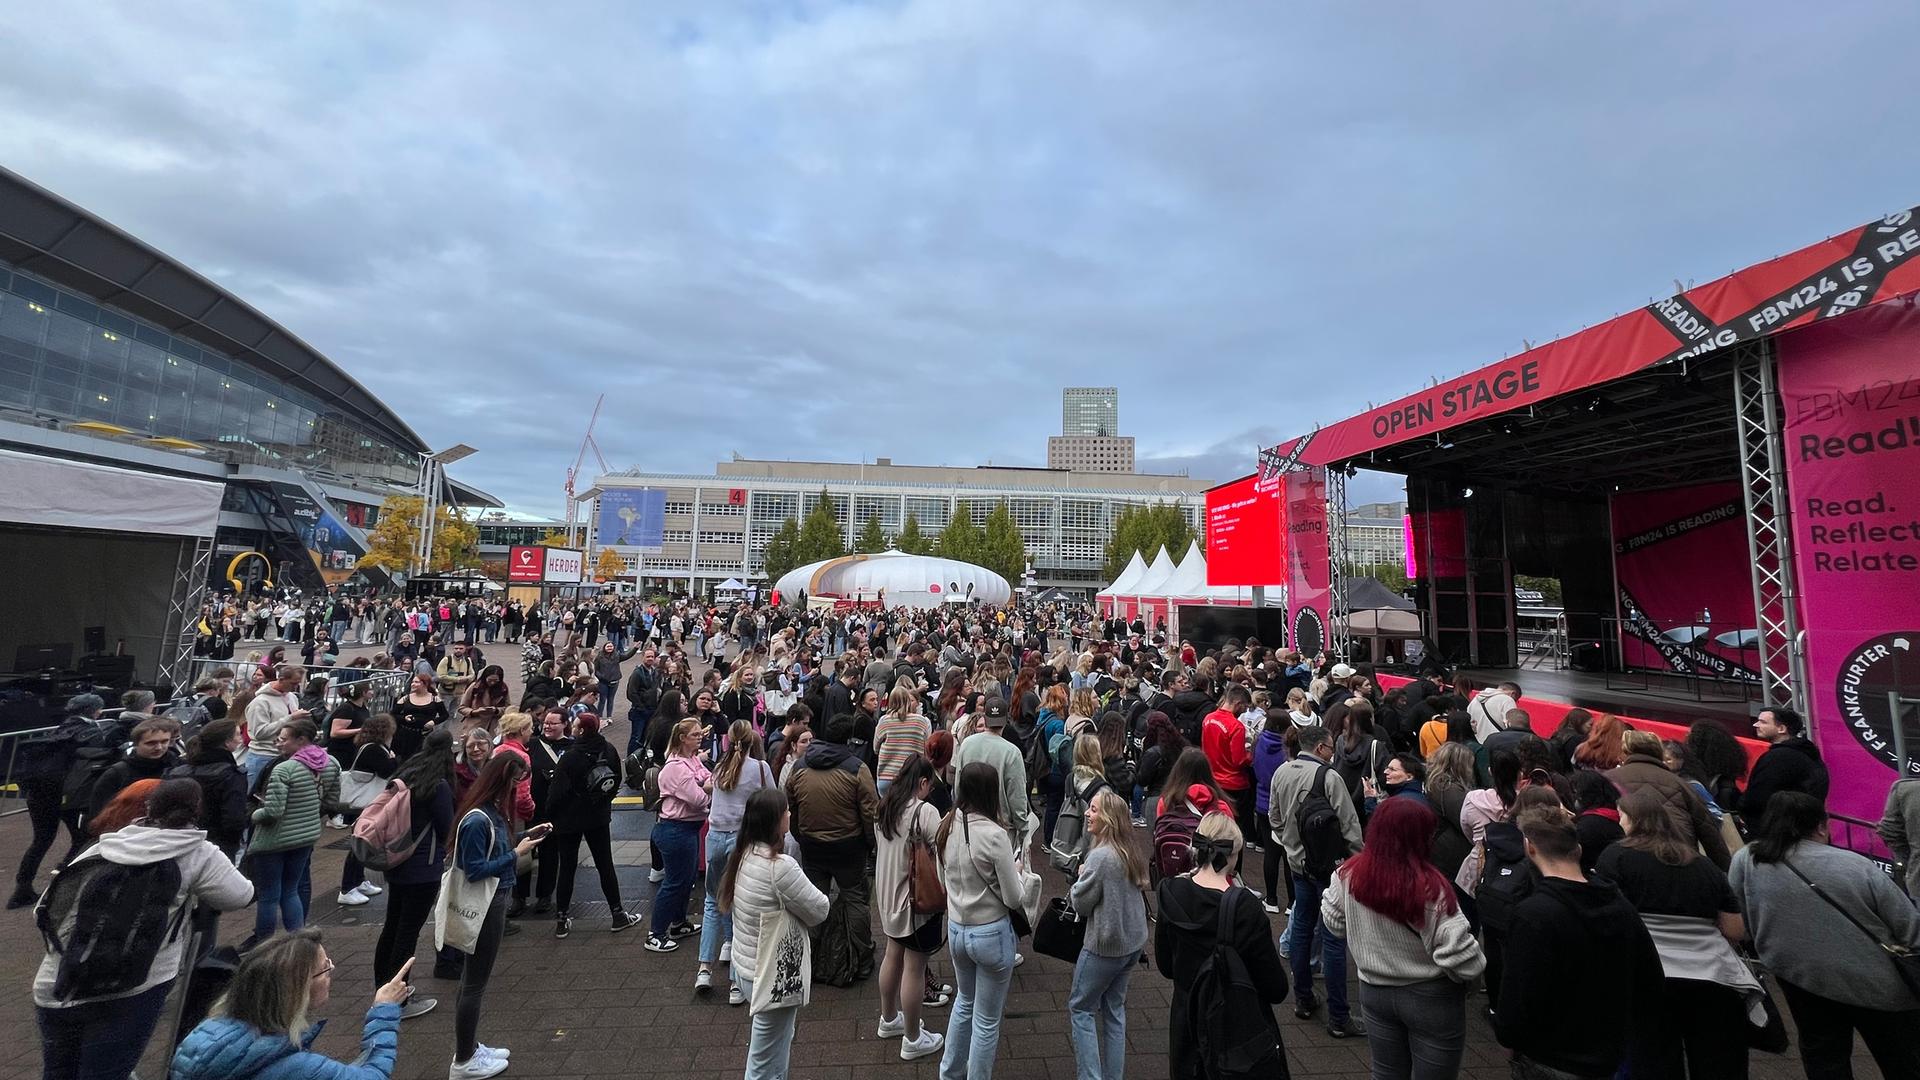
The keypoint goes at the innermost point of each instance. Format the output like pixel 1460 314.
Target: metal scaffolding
pixel 183 611
pixel 1769 540
pixel 1339 637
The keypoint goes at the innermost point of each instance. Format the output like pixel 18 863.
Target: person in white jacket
pixel 761 881
pixel 93 1032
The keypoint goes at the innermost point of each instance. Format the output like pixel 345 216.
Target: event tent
pixel 1110 596
pixel 1149 593
pixel 921 581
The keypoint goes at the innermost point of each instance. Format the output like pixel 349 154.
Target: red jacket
pixel 1224 740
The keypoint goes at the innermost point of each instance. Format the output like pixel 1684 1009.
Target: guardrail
pixel 384 687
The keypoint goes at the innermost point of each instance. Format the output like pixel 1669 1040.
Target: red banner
pixel 1244 545
pixel 1850 394
pixel 1309 579
pixel 1845 273
pixel 527 564
pixel 1686 584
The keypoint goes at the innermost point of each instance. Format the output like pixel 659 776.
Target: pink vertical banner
pixel 1309 579
pixel 1850 394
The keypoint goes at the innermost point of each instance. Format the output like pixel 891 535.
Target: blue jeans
pixel 1099 998
pixel 679 845
pixel 715 927
pixel 771 1039
pixel 276 889
pixel 606 699
pixel 255 764
pixel 99 1040
pixel 1301 924
pixel 982 970
pixel 637 728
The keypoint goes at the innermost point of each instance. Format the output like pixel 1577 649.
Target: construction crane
pixel 586 443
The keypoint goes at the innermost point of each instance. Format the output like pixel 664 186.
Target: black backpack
pixel 603 781
pixel 1233 1029
pixel 1506 876
pixel 1322 844
pixel 90 762
pixel 122 916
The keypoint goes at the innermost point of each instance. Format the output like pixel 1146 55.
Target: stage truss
pixel 183 612
pixel 1769 541
pixel 1339 636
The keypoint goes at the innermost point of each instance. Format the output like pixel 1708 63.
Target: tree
pixel 1547 587
pixel 554 538
pixel 1002 550
pixel 820 535
pixel 782 552
pixel 1146 529
pixel 910 541
pixel 609 566
pixel 456 541
pixel 962 539
pixel 871 539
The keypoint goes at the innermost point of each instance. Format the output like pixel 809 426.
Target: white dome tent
pixel 898 579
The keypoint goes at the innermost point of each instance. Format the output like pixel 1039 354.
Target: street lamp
pixel 433 469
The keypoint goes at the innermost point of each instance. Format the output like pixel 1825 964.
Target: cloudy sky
pixel 817 230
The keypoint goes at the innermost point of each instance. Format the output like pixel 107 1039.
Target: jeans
pixel 982 970
pixel 715 926
pixel 600 845
pixel 276 889
pixel 606 699
pixel 473 979
pixel 679 845
pixel 1099 999
pixel 1417 1031
pixel 408 909
pixel 1333 951
pixel 255 764
pixel 637 728
pixel 771 1040
pixel 99 1040
pixel 338 631
pixel 1826 1030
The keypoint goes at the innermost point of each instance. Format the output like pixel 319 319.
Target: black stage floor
pixel 1649 695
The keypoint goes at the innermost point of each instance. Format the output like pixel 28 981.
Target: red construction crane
pixel 586 443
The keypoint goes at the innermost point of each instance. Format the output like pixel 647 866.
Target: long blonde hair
pixel 273 986
pixel 1111 826
pixel 903 701
pixel 1085 703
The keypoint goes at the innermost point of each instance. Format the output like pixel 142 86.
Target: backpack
pixel 90 762
pixel 1506 877
pixel 383 835
pixel 603 782
pixel 1233 1029
pixel 1060 753
pixel 1069 844
pixel 1322 844
pixel 1173 832
pixel 122 917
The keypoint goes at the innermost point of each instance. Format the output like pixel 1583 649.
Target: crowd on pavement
pixel 1628 906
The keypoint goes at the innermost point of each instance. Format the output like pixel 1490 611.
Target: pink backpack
pixel 384 836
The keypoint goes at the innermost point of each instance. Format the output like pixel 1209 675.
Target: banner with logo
pixel 1850 398
pixel 334 548
pixel 527 564
pixel 1309 579
pixel 632 520
pixel 1244 542
pixel 1686 586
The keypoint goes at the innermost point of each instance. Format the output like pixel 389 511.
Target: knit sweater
pixel 763 886
pixel 1390 953
pixel 1113 907
pixel 983 884
pixel 895 740
pixel 1802 940
pixel 297 794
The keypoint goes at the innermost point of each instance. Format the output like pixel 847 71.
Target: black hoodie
pixel 1578 963
pixel 1183 940
pixel 1789 765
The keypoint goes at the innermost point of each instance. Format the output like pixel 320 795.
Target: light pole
pixel 433 469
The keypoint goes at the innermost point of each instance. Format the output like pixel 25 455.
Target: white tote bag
pixel 358 787
pixel 463 904
pixel 783 971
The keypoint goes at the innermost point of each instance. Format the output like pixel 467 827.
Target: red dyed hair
pixel 1394 874
pixel 1606 745
pixel 588 722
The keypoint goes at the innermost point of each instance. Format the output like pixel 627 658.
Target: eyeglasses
pixel 325 971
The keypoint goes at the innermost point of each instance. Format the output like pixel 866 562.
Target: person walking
pixel 907 821
pixel 483 848
pixel 686 791
pixel 580 808
pixel 42 772
pixel 1311 775
pixel 413 885
pixel 1416 955
pixel 1823 920
pixel 762 881
pixel 742 770
pixel 286 825
pixel 1109 896
pixel 983 886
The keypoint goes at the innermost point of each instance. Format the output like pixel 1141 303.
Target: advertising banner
pixel 1845 273
pixel 1309 579
pixel 527 564
pixel 1850 397
pixel 334 548
pixel 1686 584
pixel 632 519
pixel 1244 545
pixel 566 566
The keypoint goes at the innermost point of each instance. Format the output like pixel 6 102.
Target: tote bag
pixel 783 971
pixel 463 904
pixel 358 787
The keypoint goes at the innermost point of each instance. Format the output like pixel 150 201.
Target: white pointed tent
pixel 1189 581
pixel 1110 595
pixel 1149 593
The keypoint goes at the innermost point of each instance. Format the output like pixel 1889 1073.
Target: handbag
pixel 1061 933
pixel 462 906
pixel 783 970
pixel 926 893
pixel 1906 963
pixel 1770 1037
pixel 358 787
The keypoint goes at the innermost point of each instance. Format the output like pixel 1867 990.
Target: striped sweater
pixel 896 739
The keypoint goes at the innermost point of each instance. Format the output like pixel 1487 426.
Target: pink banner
pixel 1850 393
pixel 1308 577
pixel 1686 587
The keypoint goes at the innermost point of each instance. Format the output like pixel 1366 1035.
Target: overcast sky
pixel 836 231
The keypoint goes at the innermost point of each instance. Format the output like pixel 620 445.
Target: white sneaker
pixel 500 1052
pixel 702 982
pixel 929 1042
pixel 726 952
pixel 736 996
pixel 891 1028
pixel 656 875
pixel 351 898
pixel 478 1067
pixel 1019 958
pixel 368 888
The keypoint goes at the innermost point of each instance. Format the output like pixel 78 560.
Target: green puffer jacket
pixel 298 793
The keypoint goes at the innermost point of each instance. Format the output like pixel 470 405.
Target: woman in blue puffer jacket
pixel 260 1029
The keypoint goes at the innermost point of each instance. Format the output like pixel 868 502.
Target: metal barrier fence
pixel 383 687
pixel 12 743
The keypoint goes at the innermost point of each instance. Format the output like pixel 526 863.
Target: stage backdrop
pixel 1686 588
pixel 1850 392
pixel 1308 577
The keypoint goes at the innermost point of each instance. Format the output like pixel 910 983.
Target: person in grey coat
pixel 1900 827
pixel 1821 918
pixel 1110 898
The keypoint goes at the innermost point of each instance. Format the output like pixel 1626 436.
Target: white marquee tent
pixel 903 580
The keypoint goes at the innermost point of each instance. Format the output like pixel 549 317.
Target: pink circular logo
pixel 934 588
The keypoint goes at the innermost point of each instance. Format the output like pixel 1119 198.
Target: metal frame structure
pixel 1339 636
pixel 183 611
pixel 1769 540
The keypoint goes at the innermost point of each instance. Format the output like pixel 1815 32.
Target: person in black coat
pixel 41 771
pixel 580 813
pixel 223 784
pixel 149 759
pixel 547 747
pixel 1791 763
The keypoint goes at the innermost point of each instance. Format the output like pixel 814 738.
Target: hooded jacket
pixel 128 769
pixel 1645 770
pixel 1183 940
pixel 205 875
pixel 1789 765
pixel 1589 928
pixel 297 794
pixel 568 805
pixel 833 795
pixel 223 1048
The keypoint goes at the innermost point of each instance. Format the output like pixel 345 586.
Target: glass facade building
pixel 1090 410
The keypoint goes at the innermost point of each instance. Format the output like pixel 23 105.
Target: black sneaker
pixel 563 926
pixel 1305 1006
pixel 23 896
pixel 623 920
pixel 1349 1028
pixel 512 929
pixel 683 928
pixel 541 907
pixel 656 943
pixel 516 908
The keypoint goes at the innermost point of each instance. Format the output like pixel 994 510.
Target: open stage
pixel 1670 699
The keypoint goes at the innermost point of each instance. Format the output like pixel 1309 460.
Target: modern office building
pixel 717 526
pixel 1090 410
pixel 1090 439
pixel 1376 534
pixel 158 434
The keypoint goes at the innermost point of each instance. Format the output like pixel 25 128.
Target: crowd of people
pixel 1623 902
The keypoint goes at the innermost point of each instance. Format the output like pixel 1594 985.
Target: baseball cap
pixel 1340 671
pixel 995 710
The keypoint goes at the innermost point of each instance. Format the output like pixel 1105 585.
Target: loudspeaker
pixel 96 639
pixel 1586 656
